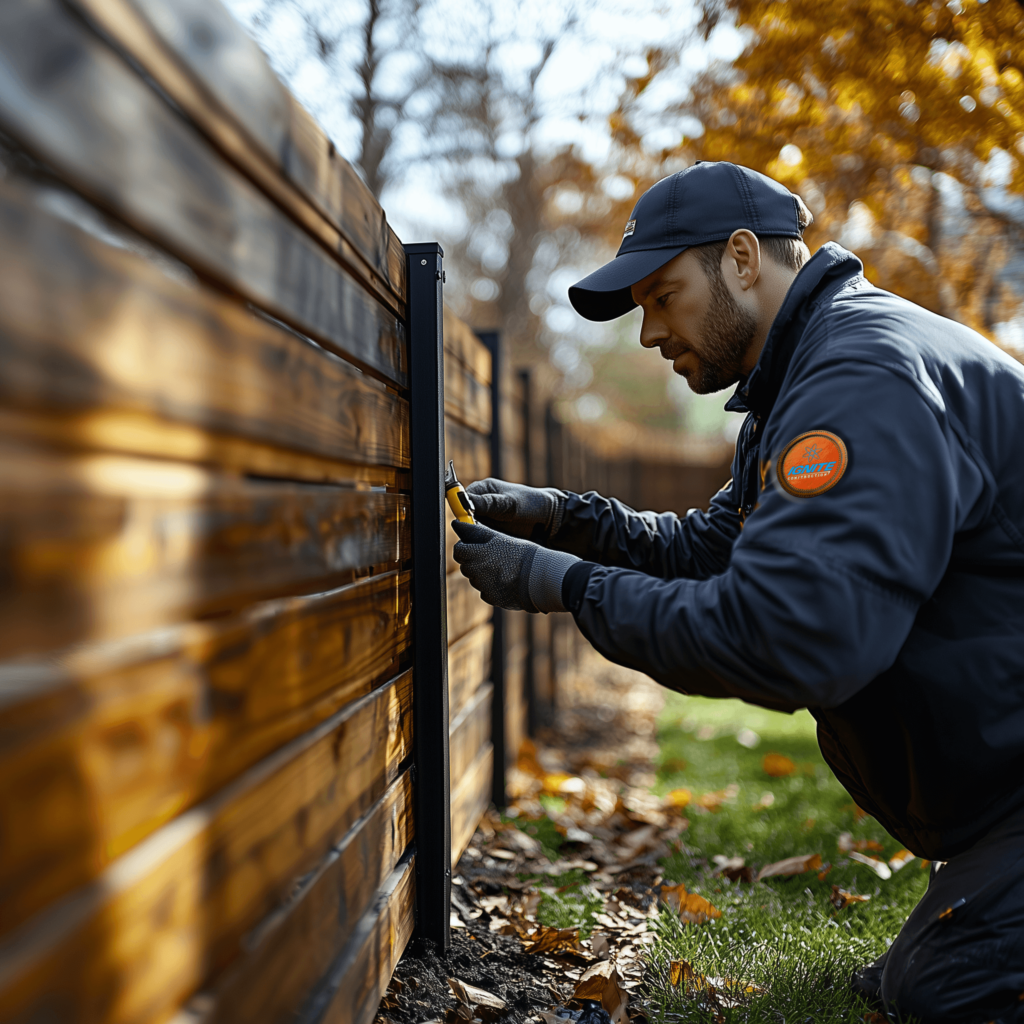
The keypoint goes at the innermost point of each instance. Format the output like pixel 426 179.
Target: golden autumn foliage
pixel 895 111
pixel 877 97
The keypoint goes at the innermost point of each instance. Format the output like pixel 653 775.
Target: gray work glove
pixel 513 574
pixel 533 513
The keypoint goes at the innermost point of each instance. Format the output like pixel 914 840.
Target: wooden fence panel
pixel 471 635
pixel 161 177
pixel 206 737
pixel 85 325
pixel 136 943
pixel 206 62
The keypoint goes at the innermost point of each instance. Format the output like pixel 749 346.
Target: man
pixel 866 561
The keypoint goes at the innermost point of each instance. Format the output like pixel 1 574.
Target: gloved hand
pixel 511 573
pixel 533 513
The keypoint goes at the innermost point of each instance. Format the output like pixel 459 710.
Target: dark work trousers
pixel 960 957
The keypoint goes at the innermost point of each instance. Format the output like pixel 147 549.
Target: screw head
pixel 423 263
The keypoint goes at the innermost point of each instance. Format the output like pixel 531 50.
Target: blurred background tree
pixel 521 133
pixel 901 125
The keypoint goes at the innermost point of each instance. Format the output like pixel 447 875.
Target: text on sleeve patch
pixel 812 463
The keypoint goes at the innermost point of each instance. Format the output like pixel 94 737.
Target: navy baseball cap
pixel 704 203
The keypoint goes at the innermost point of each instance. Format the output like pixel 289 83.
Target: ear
pixel 742 258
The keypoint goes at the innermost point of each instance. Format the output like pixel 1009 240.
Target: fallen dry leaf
pixel 901 860
pixel 791 866
pixel 840 898
pixel 602 983
pixel 846 843
pixel 548 940
pixel 691 908
pixel 879 867
pixel 677 798
pixel 479 1002
pixel 777 765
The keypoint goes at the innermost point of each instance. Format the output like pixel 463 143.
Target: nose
pixel 651 332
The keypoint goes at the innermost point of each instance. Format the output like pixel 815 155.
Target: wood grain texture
pixel 470 449
pixel 131 433
pixel 466 608
pixel 469 731
pixel 99 546
pixel 204 59
pixel 87 326
pixel 469 666
pixel 466 399
pixel 70 99
pixel 462 344
pixel 351 991
pixel 102 744
pixel 133 945
pixel 470 799
pixel 292 949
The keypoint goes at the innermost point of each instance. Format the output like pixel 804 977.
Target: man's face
pixel 695 322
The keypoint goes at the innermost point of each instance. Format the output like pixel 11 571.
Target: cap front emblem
pixel 812 463
pixel 630 228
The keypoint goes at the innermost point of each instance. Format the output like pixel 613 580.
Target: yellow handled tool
pixel 458 500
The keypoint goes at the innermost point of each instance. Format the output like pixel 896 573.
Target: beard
pixel 725 335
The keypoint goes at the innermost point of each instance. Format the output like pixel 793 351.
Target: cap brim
pixel 605 294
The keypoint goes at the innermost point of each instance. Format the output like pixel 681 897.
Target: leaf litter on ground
pixel 589 869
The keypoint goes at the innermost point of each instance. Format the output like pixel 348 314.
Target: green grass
pixel 781 935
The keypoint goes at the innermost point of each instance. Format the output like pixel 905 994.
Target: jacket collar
pixel 828 270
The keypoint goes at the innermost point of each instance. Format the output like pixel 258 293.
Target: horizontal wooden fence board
pixel 470 798
pixel 115 431
pixel 466 399
pixel 132 946
pixel 352 990
pixel 286 955
pixel 206 62
pixel 67 97
pixel 466 608
pixel 108 742
pixel 469 731
pixel 469 666
pixel 470 449
pixel 85 325
pixel 99 546
pixel 462 344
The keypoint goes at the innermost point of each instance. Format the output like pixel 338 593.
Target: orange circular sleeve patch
pixel 812 463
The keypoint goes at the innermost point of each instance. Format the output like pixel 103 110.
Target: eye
pixel 662 300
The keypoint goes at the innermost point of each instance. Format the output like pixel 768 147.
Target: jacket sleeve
pixel 821 592
pixel 695 546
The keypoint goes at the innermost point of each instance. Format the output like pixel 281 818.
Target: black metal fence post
pixel 498 645
pixel 429 604
pixel 533 711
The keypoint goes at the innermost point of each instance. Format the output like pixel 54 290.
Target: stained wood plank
pixel 292 949
pixel 351 992
pixel 469 666
pixel 470 799
pixel 67 97
pixel 466 399
pixel 214 71
pixel 135 944
pixel 87 326
pixel 99 546
pixel 131 433
pixel 466 608
pixel 469 732
pixel 462 344
pixel 470 449
pixel 102 744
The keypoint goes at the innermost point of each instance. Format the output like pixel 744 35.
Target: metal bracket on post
pixel 429 601
pixel 498 645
